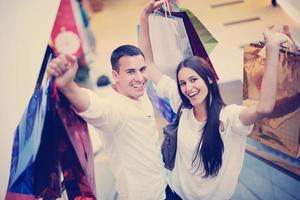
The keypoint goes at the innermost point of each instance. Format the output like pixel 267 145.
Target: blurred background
pixel 27 27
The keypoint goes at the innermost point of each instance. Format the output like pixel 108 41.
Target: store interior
pixel 266 174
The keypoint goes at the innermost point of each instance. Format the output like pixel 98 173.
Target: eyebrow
pixel 130 69
pixel 144 67
pixel 192 77
pixel 189 78
pixel 134 69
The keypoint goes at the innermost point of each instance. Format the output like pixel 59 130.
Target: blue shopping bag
pixel 160 104
pixel 26 143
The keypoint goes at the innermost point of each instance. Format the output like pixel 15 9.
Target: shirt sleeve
pixel 236 126
pixel 167 87
pixel 100 113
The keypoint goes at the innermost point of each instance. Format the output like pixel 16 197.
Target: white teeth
pixel 192 94
pixel 138 85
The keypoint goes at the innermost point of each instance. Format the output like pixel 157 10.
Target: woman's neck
pixel 200 112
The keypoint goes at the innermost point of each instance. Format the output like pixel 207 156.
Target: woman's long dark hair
pixel 210 148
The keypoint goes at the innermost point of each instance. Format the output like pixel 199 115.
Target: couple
pixel 211 135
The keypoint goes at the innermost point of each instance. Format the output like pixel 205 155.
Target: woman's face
pixel 192 86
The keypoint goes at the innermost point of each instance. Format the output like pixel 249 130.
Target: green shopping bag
pixel 208 40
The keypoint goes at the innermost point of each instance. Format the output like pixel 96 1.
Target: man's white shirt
pixel 131 141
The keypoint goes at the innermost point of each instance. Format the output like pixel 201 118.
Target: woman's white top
pixel 183 179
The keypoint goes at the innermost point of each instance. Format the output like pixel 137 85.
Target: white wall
pixel 292 8
pixel 25 30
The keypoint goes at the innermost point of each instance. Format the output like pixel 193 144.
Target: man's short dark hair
pixel 124 50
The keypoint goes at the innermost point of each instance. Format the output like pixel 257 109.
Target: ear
pixel 115 75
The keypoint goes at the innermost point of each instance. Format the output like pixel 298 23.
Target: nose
pixel 188 86
pixel 139 76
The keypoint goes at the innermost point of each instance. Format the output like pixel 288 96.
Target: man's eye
pixel 130 72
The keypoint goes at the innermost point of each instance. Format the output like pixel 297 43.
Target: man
pixel 126 119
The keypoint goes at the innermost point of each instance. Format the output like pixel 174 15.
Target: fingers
pixel 268 31
pixel 275 36
pixel 71 58
pixel 158 3
pixel 153 4
pixel 58 66
pixel 280 37
pixel 286 30
pixel 286 38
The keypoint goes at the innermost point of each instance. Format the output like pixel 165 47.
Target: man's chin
pixel 139 94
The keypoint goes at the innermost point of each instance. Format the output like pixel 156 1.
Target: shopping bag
pixel 169 144
pixel 26 144
pixel 194 38
pixel 65 149
pixel 280 130
pixel 170 45
pixel 65 34
pixel 173 38
pixel 161 104
pixel 75 152
pixel 64 153
pixel 169 42
pixel 208 40
pixel 47 173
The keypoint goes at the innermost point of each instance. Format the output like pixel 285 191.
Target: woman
pixel 211 136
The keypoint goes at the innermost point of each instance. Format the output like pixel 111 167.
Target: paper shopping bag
pixel 208 40
pixel 169 41
pixel 281 130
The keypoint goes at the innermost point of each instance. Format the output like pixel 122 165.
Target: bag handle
pixel 46 79
pixel 42 80
pixel 179 112
pixel 262 52
pixel 166 9
pixel 167 6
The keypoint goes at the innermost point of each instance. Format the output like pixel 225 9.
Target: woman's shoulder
pixel 230 111
pixel 232 108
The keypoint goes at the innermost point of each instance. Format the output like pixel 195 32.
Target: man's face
pixel 131 78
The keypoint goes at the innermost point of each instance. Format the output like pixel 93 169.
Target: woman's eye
pixel 182 83
pixel 193 79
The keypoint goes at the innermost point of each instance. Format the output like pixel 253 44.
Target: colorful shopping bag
pixel 208 40
pixel 280 130
pixel 47 173
pixel 160 104
pixel 64 150
pixel 170 45
pixel 26 144
pixel 75 152
pixel 65 34
pixel 194 38
pixel 173 38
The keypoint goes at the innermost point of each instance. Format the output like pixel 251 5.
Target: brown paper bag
pixel 280 130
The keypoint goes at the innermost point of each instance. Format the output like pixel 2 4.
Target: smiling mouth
pixel 140 85
pixel 193 94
